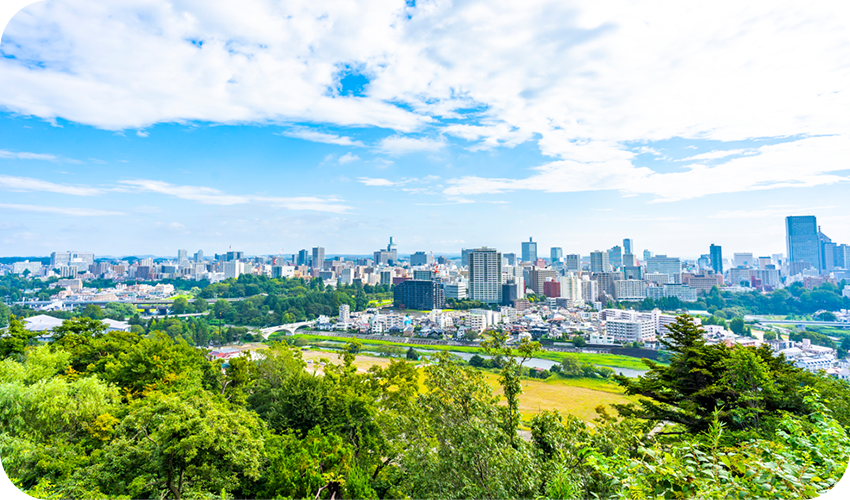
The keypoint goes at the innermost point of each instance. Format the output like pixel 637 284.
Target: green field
pixel 579 396
pixel 610 360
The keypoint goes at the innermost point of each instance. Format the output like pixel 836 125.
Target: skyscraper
pixel 303 257
pixel 646 255
pixel 715 253
pixel 182 255
pixel 485 275
pixel 627 245
pixel 599 262
pixel 801 237
pixel 318 257
pixel 556 254
pixel 615 256
pixel 572 262
pixel 529 250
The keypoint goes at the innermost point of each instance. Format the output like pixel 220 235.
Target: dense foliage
pixel 123 415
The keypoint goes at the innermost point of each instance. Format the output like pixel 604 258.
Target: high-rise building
pixel 529 250
pixel 318 257
pixel 510 258
pixel 199 255
pixel 231 256
pixel 599 262
pixel 556 254
pixel 715 253
pixel 801 237
pixel 828 249
pixel 537 277
pixel 572 262
pixel 628 246
pixel 615 256
pixel 59 259
pixel 646 255
pixel 420 259
pixel 464 257
pixel 744 259
pixel 485 275
pixel 303 257
pixel 182 255
pixel 662 264
pixel 344 313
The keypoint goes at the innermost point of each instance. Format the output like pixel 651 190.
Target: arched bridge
pixel 289 327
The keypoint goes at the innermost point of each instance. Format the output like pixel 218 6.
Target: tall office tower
pixel 303 257
pixel 464 257
pixel 615 256
pixel 393 250
pixel 485 275
pixel 828 249
pixel 715 253
pixel 529 250
pixel 318 257
pixel 182 255
pixel 629 260
pixel 842 252
pixel 572 262
pixel 556 254
pixel 510 257
pixel 801 238
pixel 627 245
pixel 599 262
pixel 646 255
pixel 199 255
pixel 231 256
pixel 764 262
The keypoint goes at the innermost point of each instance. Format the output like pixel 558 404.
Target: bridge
pixel 151 302
pixel 289 327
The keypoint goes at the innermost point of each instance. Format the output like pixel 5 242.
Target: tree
pixel 180 305
pixel 180 444
pixel 737 326
pixel 15 338
pixel 496 345
pixel 412 354
pixel 94 312
pixel 200 305
pixel 578 341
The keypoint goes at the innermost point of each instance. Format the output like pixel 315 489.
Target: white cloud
pixel 12 183
pixel 713 155
pixel 348 158
pixel 24 155
pixel 369 181
pixel 775 166
pixel 315 136
pixel 583 78
pixel 67 211
pixel 401 145
pixel 142 133
pixel 212 196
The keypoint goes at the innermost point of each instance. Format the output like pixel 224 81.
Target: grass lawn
pixel 610 360
pixel 577 397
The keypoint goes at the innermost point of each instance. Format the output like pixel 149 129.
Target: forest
pixel 98 414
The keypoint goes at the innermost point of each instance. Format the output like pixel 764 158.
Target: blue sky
pixel 142 127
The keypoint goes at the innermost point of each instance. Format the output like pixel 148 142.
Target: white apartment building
pixel 589 290
pixel 629 289
pixel 344 313
pixel 485 275
pixel 630 331
pixel 32 267
pixel 457 290
pixel 571 289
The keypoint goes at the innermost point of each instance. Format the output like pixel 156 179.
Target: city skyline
pixel 392 130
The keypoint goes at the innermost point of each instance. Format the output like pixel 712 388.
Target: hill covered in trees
pixel 122 415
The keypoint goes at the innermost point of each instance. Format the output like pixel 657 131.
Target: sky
pixel 139 127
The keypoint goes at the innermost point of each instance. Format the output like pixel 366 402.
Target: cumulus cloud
pixel 66 211
pixel 370 181
pixel 12 183
pixel 583 79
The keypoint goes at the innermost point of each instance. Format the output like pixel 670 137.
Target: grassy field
pixel 577 397
pixel 610 360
